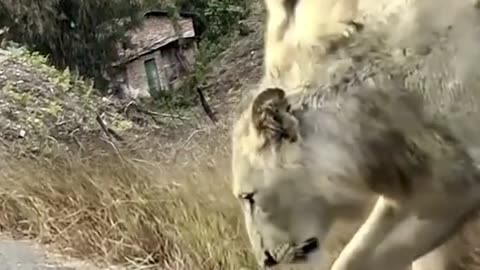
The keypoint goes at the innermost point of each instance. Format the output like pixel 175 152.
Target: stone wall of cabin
pixel 168 68
pixel 156 30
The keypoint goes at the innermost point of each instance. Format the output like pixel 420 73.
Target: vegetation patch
pixel 43 109
pixel 157 196
pixel 122 208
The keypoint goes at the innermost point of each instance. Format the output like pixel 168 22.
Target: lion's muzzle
pixel 290 254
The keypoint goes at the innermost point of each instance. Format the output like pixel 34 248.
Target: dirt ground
pixel 28 255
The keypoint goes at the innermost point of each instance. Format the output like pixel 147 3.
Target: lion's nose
pixel 298 254
pixel 268 260
pixel 310 245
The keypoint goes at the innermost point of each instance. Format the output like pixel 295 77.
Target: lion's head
pixel 297 170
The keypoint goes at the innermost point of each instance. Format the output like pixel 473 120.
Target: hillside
pixel 43 109
pixel 237 67
pixel 41 106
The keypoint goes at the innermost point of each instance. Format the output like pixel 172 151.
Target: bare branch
pixel 107 130
pixel 205 106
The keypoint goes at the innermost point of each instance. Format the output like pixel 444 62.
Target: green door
pixel 152 76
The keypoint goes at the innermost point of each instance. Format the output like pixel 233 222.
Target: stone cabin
pixel 154 61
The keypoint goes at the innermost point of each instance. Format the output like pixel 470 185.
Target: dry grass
pixel 128 210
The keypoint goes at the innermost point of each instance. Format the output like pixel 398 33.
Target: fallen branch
pixel 153 113
pixel 205 106
pixel 107 130
pixel 188 68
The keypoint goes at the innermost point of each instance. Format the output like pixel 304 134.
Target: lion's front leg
pixel 383 218
pixel 437 259
pixel 393 238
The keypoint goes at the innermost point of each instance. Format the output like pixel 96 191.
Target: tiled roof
pixel 156 32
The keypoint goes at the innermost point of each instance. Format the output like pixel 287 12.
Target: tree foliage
pixel 218 19
pixel 82 34
pixel 79 34
pixel 222 16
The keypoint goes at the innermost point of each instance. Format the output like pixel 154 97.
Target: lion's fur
pixel 334 124
pixel 357 146
pixel 293 31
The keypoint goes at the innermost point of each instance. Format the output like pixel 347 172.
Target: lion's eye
pixel 248 197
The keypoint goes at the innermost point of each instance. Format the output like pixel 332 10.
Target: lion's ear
pixel 272 118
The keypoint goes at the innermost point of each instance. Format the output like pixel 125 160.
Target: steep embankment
pixel 43 109
pixel 237 67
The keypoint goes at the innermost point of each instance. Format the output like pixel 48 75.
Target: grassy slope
pixel 167 203
pixel 42 108
pixel 123 209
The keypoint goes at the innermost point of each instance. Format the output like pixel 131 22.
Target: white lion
pixel 337 125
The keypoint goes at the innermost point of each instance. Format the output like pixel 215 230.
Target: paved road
pixel 26 255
